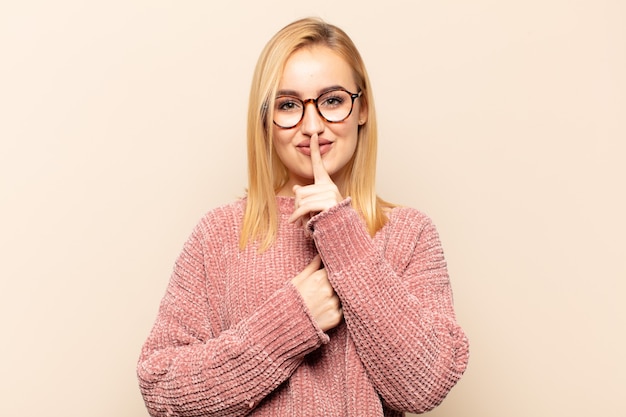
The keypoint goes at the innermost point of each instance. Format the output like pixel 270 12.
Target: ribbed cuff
pixel 342 235
pixel 283 327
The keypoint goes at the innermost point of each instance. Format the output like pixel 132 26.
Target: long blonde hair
pixel 266 173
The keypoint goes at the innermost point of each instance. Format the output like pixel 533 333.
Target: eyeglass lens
pixel 334 106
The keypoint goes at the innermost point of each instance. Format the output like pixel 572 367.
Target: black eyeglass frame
pixel 353 96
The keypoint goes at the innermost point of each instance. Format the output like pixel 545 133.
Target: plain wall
pixel 122 122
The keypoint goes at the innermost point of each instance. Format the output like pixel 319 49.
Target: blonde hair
pixel 266 173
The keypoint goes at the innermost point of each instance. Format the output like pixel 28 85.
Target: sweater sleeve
pixel 189 367
pixel 397 304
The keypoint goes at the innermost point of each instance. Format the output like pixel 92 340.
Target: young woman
pixel 310 296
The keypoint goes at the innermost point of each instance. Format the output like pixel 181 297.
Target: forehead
pixel 312 69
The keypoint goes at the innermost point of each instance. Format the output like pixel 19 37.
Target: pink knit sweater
pixel 233 337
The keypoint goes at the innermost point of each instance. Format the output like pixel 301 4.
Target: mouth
pixel 305 146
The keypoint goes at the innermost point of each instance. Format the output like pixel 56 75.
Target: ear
pixel 363 112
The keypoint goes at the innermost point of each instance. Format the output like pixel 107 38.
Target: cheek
pixel 280 141
pixel 278 137
pixel 283 148
pixel 348 132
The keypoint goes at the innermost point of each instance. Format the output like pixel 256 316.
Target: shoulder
pixel 408 218
pixel 224 215
pixel 221 225
pixel 412 226
pixel 410 232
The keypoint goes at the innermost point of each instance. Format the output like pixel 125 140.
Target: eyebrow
pixel 319 93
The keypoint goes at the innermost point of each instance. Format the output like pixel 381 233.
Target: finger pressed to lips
pixel 319 171
pixel 304 147
pixel 319 196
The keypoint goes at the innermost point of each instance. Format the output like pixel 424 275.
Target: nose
pixel 312 122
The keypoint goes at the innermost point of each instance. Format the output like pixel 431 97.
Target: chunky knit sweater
pixel 233 336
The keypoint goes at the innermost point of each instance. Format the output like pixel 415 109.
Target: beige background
pixel 122 122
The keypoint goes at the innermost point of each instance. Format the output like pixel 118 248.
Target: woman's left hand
pixel 319 196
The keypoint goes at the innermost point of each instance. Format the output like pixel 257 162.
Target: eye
pixel 333 99
pixel 288 104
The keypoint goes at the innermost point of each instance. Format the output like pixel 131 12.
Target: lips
pixel 305 146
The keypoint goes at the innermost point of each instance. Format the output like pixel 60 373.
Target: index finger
pixel 320 175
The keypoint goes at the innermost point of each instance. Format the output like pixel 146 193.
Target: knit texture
pixel 233 337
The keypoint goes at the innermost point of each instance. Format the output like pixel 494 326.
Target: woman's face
pixel 308 73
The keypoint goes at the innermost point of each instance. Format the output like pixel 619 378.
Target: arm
pixel 397 304
pixel 189 366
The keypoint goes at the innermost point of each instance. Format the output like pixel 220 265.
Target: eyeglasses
pixel 334 106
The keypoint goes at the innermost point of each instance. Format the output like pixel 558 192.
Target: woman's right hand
pixel 318 295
